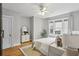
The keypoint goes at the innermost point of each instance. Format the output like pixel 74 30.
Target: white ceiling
pixel 32 9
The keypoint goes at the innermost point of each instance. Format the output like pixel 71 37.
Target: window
pixel 65 27
pixel 58 27
pixel 51 27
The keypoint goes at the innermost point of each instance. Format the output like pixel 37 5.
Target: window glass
pixel 58 28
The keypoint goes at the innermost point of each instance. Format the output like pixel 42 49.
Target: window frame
pixel 57 20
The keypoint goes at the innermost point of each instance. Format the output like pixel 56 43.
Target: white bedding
pixel 43 44
pixel 48 40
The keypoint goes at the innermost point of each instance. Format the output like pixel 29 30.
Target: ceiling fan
pixel 43 9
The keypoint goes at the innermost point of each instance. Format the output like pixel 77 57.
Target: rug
pixel 29 51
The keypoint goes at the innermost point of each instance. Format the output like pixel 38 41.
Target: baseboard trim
pixel 17 44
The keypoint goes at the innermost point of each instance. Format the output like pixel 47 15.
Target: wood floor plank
pixel 14 51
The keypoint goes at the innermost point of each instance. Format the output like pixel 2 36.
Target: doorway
pixel 7 32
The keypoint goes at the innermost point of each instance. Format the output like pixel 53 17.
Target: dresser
pixel 25 38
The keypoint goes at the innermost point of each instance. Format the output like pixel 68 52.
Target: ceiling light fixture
pixel 43 9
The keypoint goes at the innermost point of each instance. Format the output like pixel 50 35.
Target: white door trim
pixel 11 27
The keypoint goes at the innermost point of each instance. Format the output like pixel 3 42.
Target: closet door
pixel 7 32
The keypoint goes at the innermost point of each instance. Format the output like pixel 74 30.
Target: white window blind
pixel 65 27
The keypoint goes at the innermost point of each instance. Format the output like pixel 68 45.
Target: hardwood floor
pixel 14 51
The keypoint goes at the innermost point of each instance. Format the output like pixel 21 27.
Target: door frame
pixel 11 28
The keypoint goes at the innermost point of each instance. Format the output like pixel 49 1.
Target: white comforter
pixel 43 44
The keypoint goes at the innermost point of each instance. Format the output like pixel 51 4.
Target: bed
pixel 43 44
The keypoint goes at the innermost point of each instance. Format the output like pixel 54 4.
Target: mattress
pixel 43 44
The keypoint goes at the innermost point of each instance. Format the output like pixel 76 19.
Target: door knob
pixel 2 33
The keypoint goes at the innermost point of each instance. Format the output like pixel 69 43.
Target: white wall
pixel 46 25
pixel 18 22
pixel 76 21
pixel 38 27
pixel 74 41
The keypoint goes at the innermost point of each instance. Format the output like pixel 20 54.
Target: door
pixel 7 31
